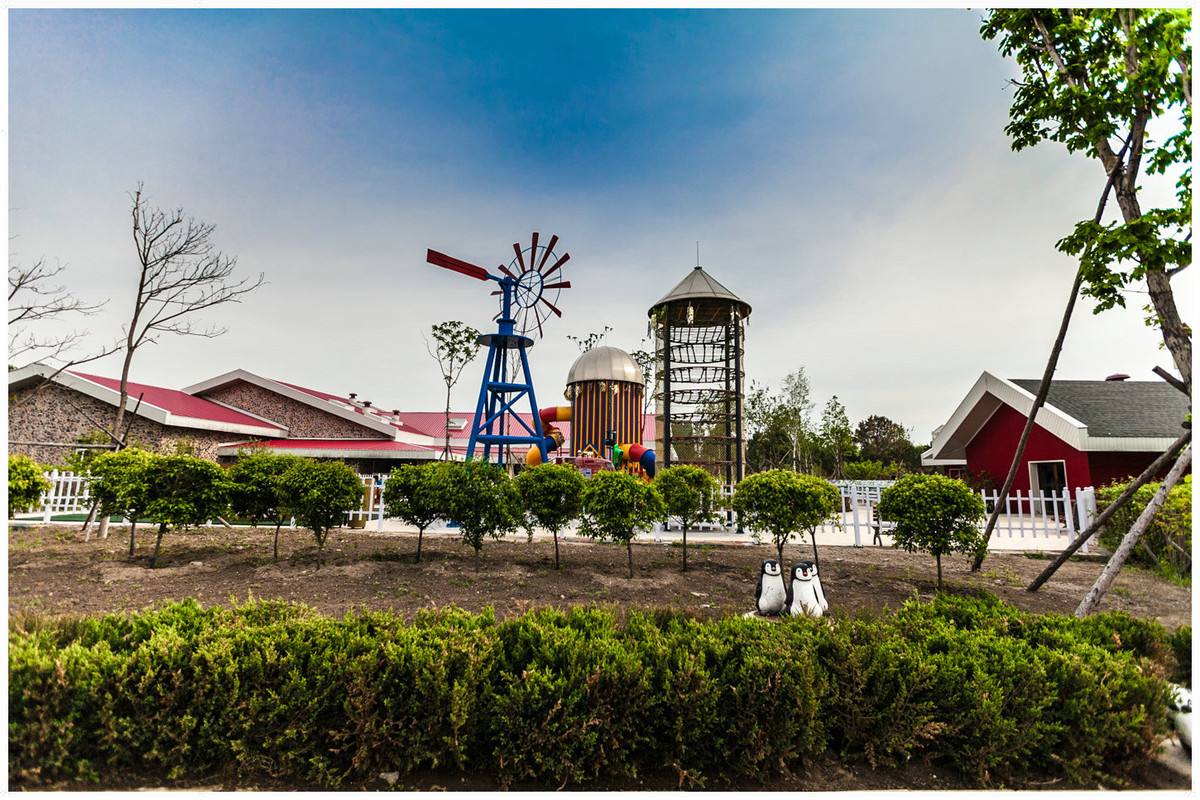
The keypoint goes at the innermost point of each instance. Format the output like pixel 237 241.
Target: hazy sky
pixel 846 173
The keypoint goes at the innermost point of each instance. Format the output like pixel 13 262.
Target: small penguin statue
pixel 804 594
pixel 1181 714
pixel 770 593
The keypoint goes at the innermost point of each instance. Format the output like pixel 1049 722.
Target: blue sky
pixel 846 173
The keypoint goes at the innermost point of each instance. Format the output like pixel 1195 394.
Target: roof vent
pixel 353 395
pixel 366 403
pixel 1117 376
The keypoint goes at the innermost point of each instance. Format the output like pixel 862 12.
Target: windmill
pixel 530 285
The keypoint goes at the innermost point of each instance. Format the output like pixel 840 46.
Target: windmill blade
pixel 533 250
pixel 562 260
pixel 538 317
pixel 456 265
pixel 549 250
pixel 553 307
pixel 562 285
pixel 506 271
pixel 498 291
pixel 520 256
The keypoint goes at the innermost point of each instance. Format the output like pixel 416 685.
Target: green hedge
pixel 574 698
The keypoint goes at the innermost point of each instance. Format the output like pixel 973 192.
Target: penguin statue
pixel 770 593
pixel 1181 714
pixel 804 594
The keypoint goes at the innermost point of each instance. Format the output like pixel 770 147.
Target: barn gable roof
pixel 1117 408
pixel 1090 416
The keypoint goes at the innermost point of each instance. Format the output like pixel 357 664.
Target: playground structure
pixel 699 332
pixel 524 283
pixel 607 391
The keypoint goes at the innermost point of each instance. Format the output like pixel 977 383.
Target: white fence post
pixel 854 513
pixel 1086 499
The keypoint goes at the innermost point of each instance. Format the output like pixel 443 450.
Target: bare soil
pixel 53 571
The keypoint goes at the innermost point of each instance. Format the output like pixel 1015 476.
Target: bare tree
pixel 455 345
pixel 180 273
pixel 35 295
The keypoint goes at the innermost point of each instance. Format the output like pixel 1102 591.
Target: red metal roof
pixel 178 403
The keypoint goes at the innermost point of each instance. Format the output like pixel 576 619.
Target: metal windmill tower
pixel 530 285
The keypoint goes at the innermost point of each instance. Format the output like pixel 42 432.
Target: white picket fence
pixel 1028 520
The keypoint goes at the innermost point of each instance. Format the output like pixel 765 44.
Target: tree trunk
pixel 685 548
pixel 1096 593
pixel 275 552
pixel 1125 496
pixel 162 528
pixel 102 532
pixel 1114 170
pixel 629 555
pixel 779 552
pixel 87 523
pixel 816 555
pixel 132 530
pixel 938 556
pixel 420 536
pixel 556 549
pixel 477 559
pixel 446 452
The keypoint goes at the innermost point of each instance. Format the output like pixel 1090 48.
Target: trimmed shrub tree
pixel 1166 545
pixel 689 493
pixel 616 505
pixel 255 492
pixel 120 485
pixel 26 483
pixel 482 500
pixel 183 490
pixel 935 514
pixel 415 495
pixel 552 496
pixel 320 494
pixel 786 504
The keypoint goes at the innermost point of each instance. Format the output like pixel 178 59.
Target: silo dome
pixel 605 364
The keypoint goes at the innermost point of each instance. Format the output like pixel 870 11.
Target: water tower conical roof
pixel 699 286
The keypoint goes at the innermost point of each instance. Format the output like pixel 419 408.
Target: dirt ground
pixel 53 571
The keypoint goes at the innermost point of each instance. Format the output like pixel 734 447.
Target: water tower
pixel 699 333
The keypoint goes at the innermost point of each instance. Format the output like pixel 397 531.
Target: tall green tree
pixel 837 437
pixel 255 492
pixel 787 411
pixel 616 505
pixel 416 494
pixel 1091 78
pixel 455 344
pixel 691 495
pixel 552 496
pixel 881 439
pixel 181 491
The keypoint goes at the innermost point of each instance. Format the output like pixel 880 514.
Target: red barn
pixel 1089 433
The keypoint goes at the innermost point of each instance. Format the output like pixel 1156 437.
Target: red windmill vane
pixel 530 285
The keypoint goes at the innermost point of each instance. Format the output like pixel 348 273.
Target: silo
pixel 699 332
pixel 607 391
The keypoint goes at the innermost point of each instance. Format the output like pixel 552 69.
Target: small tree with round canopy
pixel 786 504
pixel 183 490
pixel 255 491
pixel 935 514
pixel 689 493
pixel 120 485
pixel 552 496
pixel 616 505
pixel 320 494
pixel 480 497
pixel 414 494
pixel 26 483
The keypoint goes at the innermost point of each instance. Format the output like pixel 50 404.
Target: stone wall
pixel 302 420
pixel 45 422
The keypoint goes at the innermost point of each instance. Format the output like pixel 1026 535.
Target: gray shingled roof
pixel 1117 408
pixel 701 286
